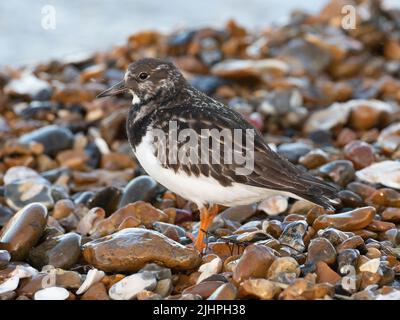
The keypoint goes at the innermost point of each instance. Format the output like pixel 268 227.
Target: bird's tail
pixel 320 193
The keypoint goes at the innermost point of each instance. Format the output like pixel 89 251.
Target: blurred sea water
pixel 90 25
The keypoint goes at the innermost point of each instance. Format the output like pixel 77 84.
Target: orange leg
pixel 206 218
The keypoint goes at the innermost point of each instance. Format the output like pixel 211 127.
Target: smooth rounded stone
pixel 92 277
pixel 360 153
pixel 24 230
pixel 350 199
pixel 362 189
pixel 63 208
pixel 142 188
pixel 347 221
pixel 301 207
pixel 293 151
pixel 130 286
pixel 274 205
pixel 355 242
pixel 61 251
pixel 292 235
pixel 385 197
pixel 326 274
pixel 254 263
pixel 368 114
pixel 132 215
pixel 52 293
pixel 225 292
pixel 89 221
pixel 204 289
pixel 333 235
pixel 158 271
pixel 392 235
pixel 65 278
pixel 347 257
pixel 320 249
pixel 5 258
pixel 385 172
pixel 391 215
pixel 24 186
pixel 314 159
pixel 170 230
pixel 389 138
pixel 272 227
pixel 239 213
pixel 164 287
pixel 373 253
pixel 53 138
pixel 132 248
pixel 283 265
pixel 339 171
pixel 5 215
pixel 82 197
pixel 380 226
pixel 97 291
pixel 259 288
pixel 210 268
pixel 107 198
pixel 307 289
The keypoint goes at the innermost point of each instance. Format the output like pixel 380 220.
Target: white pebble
pixel 130 286
pixel 52 293
pixel 9 285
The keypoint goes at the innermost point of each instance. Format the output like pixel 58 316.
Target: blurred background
pixel 86 26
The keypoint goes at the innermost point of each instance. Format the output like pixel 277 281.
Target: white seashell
pixel 52 293
pixel 24 272
pixel 210 268
pixel 130 286
pixel 371 265
pixel 9 285
pixel 92 277
pixel 385 172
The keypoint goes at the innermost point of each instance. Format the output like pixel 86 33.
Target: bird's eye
pixel 143 76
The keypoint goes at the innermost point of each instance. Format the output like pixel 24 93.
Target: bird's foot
pixel 207 216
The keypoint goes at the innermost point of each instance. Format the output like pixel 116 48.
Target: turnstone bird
pixel 160 97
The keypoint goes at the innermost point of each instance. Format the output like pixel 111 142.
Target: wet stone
pixel 132 215
pixel 350 199
pixel 339 171
pixel 204 289
pixel 320 249
pixel 130 249
pixel 238 213
pixel 391 215
pixel 61 252
pixel 333 235
pixel 254 263
pixel 283 265
pixel 63 208
pixel 293 151
pixel 226 291
pixel 360 153
pixel 348 221
pixel 142 188
pixel 293 234
pixel 53 138
pixel 97 291
pixel 5 215
pixel 314 159
pixel 107 198
pixel 24 230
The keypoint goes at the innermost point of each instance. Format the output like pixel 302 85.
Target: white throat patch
pixel 135 98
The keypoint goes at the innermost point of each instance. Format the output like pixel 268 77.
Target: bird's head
pixel 147 80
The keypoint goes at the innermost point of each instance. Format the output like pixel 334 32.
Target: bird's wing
pixel 252 162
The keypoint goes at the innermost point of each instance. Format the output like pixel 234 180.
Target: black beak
pixel 114 90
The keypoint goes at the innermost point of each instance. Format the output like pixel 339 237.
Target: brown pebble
pixel 348 221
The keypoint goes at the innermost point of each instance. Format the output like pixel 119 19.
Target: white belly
pixel 200 190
